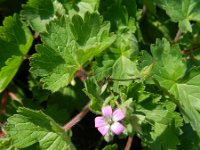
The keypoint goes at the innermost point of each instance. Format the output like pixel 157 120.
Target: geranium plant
pixel 100 74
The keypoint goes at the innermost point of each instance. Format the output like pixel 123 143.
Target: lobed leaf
pixel 169 70
pixel 38 13
pixel 187 91
pixel 92 90
pixel 119 62
pixel 168 64
pixel 164 137
pixel 182 11
pixel 29 127
pixel 15 41
pixel 68 45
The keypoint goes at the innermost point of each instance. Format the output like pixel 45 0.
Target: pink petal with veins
pixel 106 111
pixel 117 128
pixel 99 122
pixel 118 115
pixel 104 129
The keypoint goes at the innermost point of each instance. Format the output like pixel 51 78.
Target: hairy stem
pixel 129 143
pixel 77 118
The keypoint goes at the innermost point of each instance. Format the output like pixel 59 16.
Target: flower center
pixel 109 120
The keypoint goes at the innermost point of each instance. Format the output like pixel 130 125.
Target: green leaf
pixel 4 143
pixel 187 92
pixel 182 11
pixel 36 88
pixel 163 113
pixel 93 92
pixel 168 64
pixel 54 111
pixel 70 98
pixel 191 40
pixel 110 147
pixel 15 41
pixel 189 139
pixel 39 13
pixel 65 51
pixel 164 137
pixel 169 69
pixel 131 6
pixel 119 13
pixel 83 6
pixel 29 127
pixel 185 25
pixel 164 124
pixel 137 92
pixel 119 62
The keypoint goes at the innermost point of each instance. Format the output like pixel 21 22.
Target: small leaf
pixel 93 92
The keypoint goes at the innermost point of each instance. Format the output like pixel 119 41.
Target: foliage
pixel 140 56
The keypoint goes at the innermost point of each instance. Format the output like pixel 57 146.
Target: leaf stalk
pixel 77 118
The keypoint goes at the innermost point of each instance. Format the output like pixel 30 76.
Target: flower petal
pixel 117 128
pixel 118 115
pixel 106 111
pixel 99 122
pixel 104 129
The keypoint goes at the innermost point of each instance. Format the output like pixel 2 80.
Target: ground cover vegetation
pixel 100 74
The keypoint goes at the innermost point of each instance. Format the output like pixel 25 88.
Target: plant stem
pixel 82 74
pixel 77 118
pixel 144 9
pixel 177 37
pixel 190 50
pixel 4 102
pixel 129 143
pixel 134 78
pixel 36 35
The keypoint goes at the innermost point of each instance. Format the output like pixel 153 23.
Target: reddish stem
pixel 2 134
pixel 4 102
pixel 77 118
pixel 129 143
pixel 190 50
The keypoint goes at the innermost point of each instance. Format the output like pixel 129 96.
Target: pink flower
pixel 108 123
